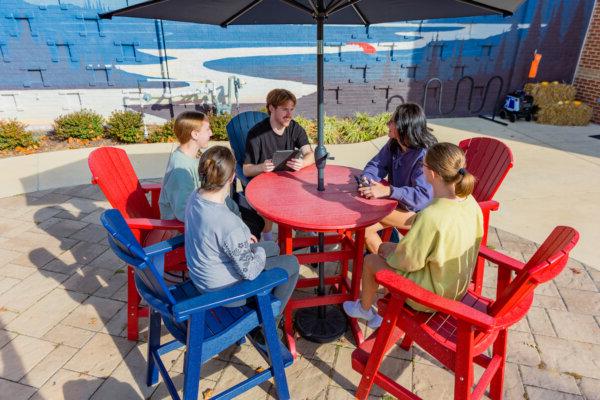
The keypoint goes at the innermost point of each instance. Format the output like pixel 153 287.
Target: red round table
pixel 291 199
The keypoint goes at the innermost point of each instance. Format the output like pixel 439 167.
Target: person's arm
pixel 251 170
pixel 416 246
pixel 379 166
pixel 248 261
pixel 178 190
pixel 417 194
pixel 300 139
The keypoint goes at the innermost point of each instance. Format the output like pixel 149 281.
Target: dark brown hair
pixel 411 126
pixel 448 161
pixel 278 97
pixel 186 122
pixel 216 166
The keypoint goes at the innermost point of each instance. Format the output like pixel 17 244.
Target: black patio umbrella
pixel 341 12
pixel 313 325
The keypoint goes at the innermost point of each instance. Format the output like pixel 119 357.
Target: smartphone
pixel 362 181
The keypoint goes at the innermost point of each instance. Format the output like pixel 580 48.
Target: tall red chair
pixel 459 333
pixel 489 160
pixel 113 173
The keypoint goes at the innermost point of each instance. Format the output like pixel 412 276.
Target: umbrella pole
pixel 320 152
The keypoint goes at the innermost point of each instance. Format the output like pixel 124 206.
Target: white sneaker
pixel 354 309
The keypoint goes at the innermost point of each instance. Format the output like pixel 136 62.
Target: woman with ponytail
pixel 219 248
pixel 440 250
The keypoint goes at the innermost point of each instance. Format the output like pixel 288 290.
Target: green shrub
pixel 309 125
pixel 164 133
pixel 13 135
pixel 126 126
pixel 84 124
pixel 362 127
pixel 218 125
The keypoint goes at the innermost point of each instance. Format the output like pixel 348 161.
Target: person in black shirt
pixel 278 132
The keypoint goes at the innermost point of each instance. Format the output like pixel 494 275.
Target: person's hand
pixel 376 190
pixel 268 166
pixel 295 163
pixel 387 248
pixel 253 239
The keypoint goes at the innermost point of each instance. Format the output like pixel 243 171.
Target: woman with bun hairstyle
pixel 219 248
pixel 440 250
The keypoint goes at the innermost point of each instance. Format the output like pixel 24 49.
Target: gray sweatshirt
pixel 217 246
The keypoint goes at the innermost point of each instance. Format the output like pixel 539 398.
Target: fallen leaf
pixel 207 394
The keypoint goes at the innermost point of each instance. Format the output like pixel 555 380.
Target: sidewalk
pixel 62 322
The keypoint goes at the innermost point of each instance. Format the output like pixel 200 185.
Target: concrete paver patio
pixel 62 322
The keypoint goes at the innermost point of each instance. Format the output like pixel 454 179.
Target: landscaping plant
pixel 84 124
pixel 13 135
pixel 126 126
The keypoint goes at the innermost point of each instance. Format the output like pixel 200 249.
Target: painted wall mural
pixel 56 55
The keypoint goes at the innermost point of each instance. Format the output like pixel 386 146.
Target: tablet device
pixel 281 157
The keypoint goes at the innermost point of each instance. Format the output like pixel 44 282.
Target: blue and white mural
pixel 56 55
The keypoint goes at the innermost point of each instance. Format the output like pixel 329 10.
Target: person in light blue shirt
pixel 400 161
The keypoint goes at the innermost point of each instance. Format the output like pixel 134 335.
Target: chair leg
pixel 463 369
pixel 406 343
pixel 497 384
pixel 193 357
pixel 133 304
pixel 153 343
pixel 265 315
pixel 380 347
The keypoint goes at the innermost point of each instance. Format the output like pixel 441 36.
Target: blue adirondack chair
pixel 237 130
pixel 199 321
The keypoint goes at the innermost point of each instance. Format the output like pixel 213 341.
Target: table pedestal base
pixel 321 328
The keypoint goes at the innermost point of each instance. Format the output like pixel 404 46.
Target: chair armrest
pixel 151 187
pixel 489 205
pixel 240 291
pixel 399 285
pixel 500 259
pixel 148 224
pixel 165 247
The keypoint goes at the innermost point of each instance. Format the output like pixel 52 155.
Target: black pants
pixel 255 222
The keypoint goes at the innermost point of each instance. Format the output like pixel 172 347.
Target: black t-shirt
pixel 262 142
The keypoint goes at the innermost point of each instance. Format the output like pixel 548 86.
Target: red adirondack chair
pixel 113 173
pixel 489 161
pixel 460 332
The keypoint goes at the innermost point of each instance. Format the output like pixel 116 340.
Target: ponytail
pixel 465 183
pixel 449 162
pixel 216 167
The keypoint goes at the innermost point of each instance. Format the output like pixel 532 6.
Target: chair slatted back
pixel 149 282
pixel 489 161
pixel 113 173
pixel 547 262
pixel 237 130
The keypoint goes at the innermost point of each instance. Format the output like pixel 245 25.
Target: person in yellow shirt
pixel 440 250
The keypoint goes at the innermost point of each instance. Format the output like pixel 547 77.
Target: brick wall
pixel 587 77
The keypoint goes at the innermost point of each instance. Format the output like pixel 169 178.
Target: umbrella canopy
pixel 356 12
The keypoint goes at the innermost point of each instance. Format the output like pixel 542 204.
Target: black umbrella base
pixel 321 330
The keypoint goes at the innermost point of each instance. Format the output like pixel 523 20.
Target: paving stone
pixel 128 381
pixel 522 349
pixel 536 393
pixel 338 393
pixel 74 216
pixel 317 351
pixel 68 385
pixel 83 253
pixel 112 284
pixel 6 337
pixel 548 302
pixel 7 283
pixel 547 289
pixel 575 276
pixel 108 260
pixel 46 313
pixel 46 368
pixel 61 267
pixel 568 325
pixel 16 271
pixel 590 388
pixel 10 228
pixel 581 302
pixel 6 316
pixel 539 322
pixel 117 325
pixel 87 279
pixel 513 385
pixel 595 275
pixel 69 335
pixel 91 233
pixel 6 256
pixel 551 380
pixel 24 294
pixel 514 243
pixel 210 370
pixel 13 390
pixel 21 355
pixel 568 356
pixel 94 217
pixel 37 258
pixel 431 382
pixel 161 392
pixel 50 199
pixel 100 355
pixel 235 373
pixel 93 314
pixel 521 326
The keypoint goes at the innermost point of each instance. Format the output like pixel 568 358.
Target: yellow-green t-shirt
pixel 440 250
